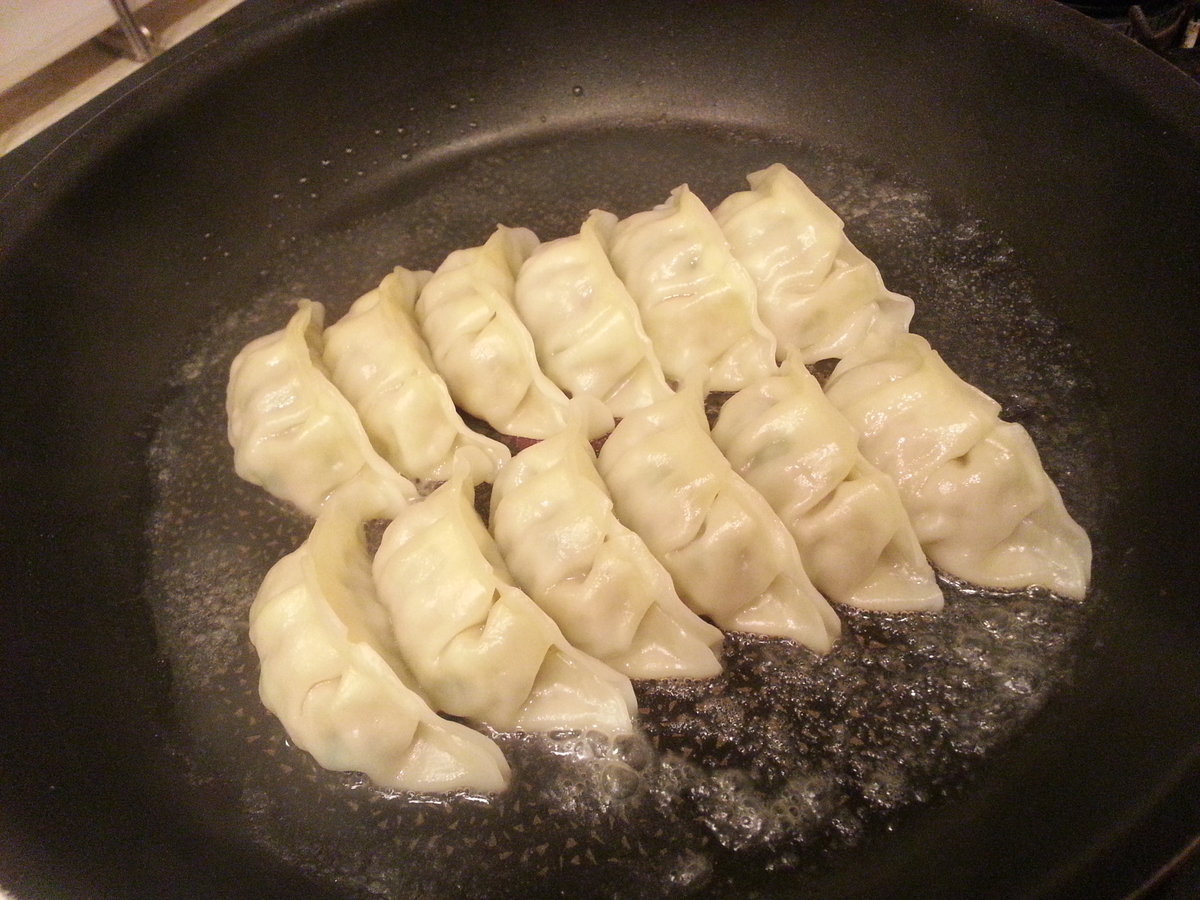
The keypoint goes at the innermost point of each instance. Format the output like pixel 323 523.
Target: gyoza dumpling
pixel 585 326
pixel 479 647
pixel 816 292
pixel 698 304
pixel 553 521
pixel 378 360
pixel 480 346
pixel 730 556
pixel 974 487
pixel 292 432
pixel 331 672
pixel 790 443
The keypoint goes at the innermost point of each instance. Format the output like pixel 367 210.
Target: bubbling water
pixel 780 763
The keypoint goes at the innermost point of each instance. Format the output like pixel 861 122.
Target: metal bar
pixel 141 45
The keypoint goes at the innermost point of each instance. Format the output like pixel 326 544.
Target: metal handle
pixel 139 40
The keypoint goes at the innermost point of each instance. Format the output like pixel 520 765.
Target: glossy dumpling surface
pixel 789 442
pixel 816 292
pixel 698 304
pixel 331 673
pixel 552 518
pixel 729 554
pixel 479 344
pixel 292 432
pixel 980 502
pixel 478 645
pixel 585 326
pixel 379 361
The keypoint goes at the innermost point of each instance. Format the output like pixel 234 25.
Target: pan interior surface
pixel 753 778
pixel 1014 746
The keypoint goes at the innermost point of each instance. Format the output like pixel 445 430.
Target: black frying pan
pixel 1030 178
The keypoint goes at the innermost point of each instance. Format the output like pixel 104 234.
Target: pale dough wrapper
pixel 816 292
pixel 379 361
pixel 553 520
pixel 730 556
pixel 698 304
pixel 482 348
pixel 796 492
pixel 292 432
pixel 477 644
pixel 784 437
pixel 980 502
pixel 332 675
pixel 585 326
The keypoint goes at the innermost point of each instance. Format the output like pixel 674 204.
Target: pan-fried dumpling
pixel 789 442
pixel 816 292
pixel 481 347
pixel 698 303
pixel 292 432
pixel 585 326
pixel 553 521
pixel 479 647
pixel 731 557
pixel 980 502
pixel 332 674
pixel 378 360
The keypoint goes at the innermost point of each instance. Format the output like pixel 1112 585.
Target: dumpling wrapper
pixel 698 304
pixel 816 292
pixel 553 521
pixel 379 361
pixel 478 645
pixel 483 350
pixel 980 502
pixel 730 556
pixel 331 673
pixel 585 326
pixel 790 443
pixel 293 433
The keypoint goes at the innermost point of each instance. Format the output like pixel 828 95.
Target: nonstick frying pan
pixel 1030 178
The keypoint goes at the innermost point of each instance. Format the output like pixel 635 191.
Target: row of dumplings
pixel 596 568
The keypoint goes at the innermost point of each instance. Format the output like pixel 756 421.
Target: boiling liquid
pixel 779 767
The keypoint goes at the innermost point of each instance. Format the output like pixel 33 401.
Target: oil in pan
pixel 773 770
